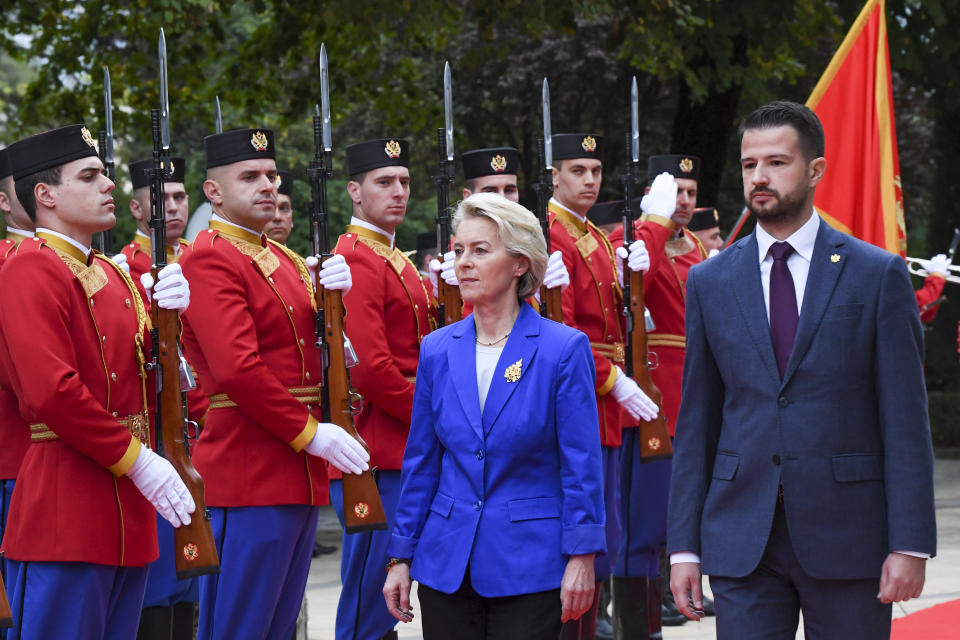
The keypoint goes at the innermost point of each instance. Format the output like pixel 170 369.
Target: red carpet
pixel 934 623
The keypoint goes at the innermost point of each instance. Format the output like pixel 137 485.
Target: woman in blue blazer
pixel 501 504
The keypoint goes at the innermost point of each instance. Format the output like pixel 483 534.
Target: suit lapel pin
pixel 835 258
pixel 512 374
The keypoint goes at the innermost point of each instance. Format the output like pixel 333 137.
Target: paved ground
pixel 943 572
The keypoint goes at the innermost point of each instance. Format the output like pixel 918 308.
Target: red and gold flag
pixel 860 193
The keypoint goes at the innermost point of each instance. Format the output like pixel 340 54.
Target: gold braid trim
pixel 301 266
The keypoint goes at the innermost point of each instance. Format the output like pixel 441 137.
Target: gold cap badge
pixel 277 181
pixel 85 133
pixel 686 165
pixel 512 374
pixel 589 143
pixel 498 163
pixel 392 149
pixel 259 141
pixel 835 258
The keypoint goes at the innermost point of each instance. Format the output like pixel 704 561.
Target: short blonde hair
pixel 519 230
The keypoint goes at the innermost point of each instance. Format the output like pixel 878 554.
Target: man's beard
pixel 784 208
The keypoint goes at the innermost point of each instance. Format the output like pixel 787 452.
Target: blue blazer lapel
pixel 745 282
pixel 462 364
pixel 822 279
pixel 520 347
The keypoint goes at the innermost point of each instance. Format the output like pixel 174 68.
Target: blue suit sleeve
pixel 698 430
pixel 902 408
pixel 421 466
pixel 578 439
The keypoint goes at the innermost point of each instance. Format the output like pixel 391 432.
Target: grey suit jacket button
pixel 776 459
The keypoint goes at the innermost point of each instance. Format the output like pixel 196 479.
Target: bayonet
pixel 448 110
pixel 108 120
pixel 547 132
pixel 164 98
pixel 325 99
pixel 551 305
pixel 218 117
pixel 634 122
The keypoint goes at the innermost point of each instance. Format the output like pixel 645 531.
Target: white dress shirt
pixel 232 224
pixel 354 220
pixel 802 241
pixel 579 217
pixel 85 250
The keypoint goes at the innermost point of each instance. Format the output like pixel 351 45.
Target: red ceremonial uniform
pixel 388 313
pixel 14 431
pixel 664 287
pixel 930 291
pixel 71 348
pixel 139 255
pixel 592 304
pixel 249 334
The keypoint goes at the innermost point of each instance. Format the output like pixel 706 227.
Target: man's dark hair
pixel 470 185
pixel 25 186
pixel 801 118
pixel 359 177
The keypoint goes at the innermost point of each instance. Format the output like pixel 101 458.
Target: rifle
pixel 104 239
pixel 362 508
pixel 449 304
pixel 551 302
pixel 195 551
pixel 6 616
pixel 654 436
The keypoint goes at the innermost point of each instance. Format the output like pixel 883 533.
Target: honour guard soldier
pixel 668 207
pixel 388 313
pixel 280 226
pixel 592 304
pixel 929 295
pixel 705 224
pixel 491 170
pixel 168 604
pixel 14 432
pixel 82 524
pixel 249 336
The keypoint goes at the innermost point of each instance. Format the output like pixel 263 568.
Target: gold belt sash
pixel 137 425
pixel 306 395
pixel 666 340
pixel 614 352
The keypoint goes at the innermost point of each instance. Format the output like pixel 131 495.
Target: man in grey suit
pixel 803 471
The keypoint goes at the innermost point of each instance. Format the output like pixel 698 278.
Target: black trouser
pixel 466 615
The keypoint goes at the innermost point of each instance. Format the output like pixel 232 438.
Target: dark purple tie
pixel 783 305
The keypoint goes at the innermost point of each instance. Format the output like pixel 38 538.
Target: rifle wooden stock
pixel 654 435
pixel 552 301
pixel 362 508
pixel 6 616
pixel 452 304
pixel 195 551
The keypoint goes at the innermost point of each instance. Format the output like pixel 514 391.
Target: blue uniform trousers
pixel 265 555
pixel 6 493
pixel 603 563
pixel 362 612
pixel 74 600
pixel 645 492
pixel 163 588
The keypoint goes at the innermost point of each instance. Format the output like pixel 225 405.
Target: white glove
pixel 446 269
pixel 556 274
pixel 632 398
pixel 434 269
pixel 939 265
pixel 713 252
pixel 662 199
pixel 340 448
pixel 160 483
pixel 121 261
pixel 172 291
pixel 334 273
pixel 638 259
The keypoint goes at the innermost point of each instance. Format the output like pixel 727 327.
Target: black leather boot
pixel 631 619
pixel 584 627
pixel 156 623
pixel 389 635
pixel 184 620
pixel 604 621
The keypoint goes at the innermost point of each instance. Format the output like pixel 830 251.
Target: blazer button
pixel 480 454
pixel 776 460
pixel 477 505
pixel 782 401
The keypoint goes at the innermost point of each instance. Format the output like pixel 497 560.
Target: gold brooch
pixel 392 149
pixel 259 141
pixel 835 258
pixel 85 133
pixel 512 374
pixel 589 143
pixel 362 509
pixel 498 163
pixel 686 165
